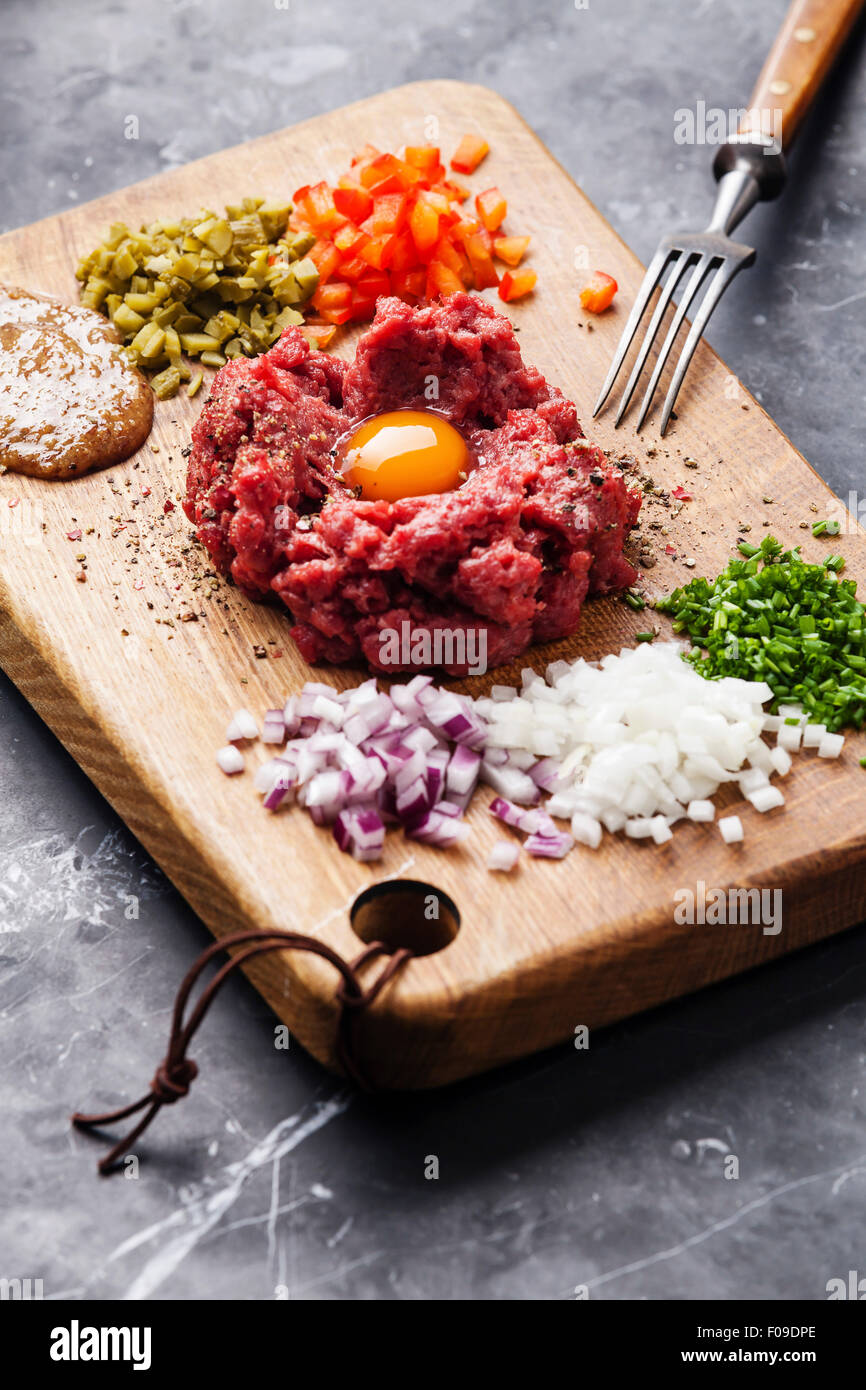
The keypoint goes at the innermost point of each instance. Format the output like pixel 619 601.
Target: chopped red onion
pixel 549 846
pixel 360 833
pixel 274 727
pixel 505 811
pixel 329 710
pixel 413 800
pixel 437 762
pixel 291 716
pixel 281 789
pixel 420 739
pixel 360 759
pixel 436 829
pixel 463 769
pixel 412 769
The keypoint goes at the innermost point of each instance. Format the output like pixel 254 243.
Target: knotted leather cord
pixel 176 1072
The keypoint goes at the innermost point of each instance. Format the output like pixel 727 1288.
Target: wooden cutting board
pixel 141 697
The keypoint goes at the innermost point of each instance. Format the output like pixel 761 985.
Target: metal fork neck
pixel 747 173
pixel 738 193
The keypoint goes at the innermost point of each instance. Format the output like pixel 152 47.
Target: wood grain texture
pixel 807 45
pixel 588 940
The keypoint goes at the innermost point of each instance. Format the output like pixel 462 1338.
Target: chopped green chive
pixel 772 617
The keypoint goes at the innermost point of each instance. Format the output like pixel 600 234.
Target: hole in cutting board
pixel 404 912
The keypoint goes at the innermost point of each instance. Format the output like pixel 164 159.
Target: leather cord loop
pixel 176 1072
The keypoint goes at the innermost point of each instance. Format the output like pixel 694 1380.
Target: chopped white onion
pixel 634 740
pixel 503 856
pixel 586 829
pixel 752 779
pixel 790 737
pixel 230 759
pixel 765 798
pixel 831 745
pixel 812 735
pixel 781 760
pixel 242 726
pixel 731 828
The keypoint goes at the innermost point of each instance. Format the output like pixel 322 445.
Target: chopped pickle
pixel 307 276
pixel 172 344
pixel 300 244
pixel 127 320
pixel 211 286
pixel 197 343
pixel 148 341
pixel 166 383
pixel 195 383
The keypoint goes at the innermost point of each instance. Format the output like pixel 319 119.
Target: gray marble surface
pixel 602 1169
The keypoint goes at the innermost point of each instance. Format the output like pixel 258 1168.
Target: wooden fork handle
pixel 807 44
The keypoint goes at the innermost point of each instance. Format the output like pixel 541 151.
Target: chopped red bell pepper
pixel 423 157
pixel 373 283
pixel 365 155
pixel 318 334
pixel 510 249
pixel 334 296
pixel 492 208
pixel 317 206
pixel 326 259
pixel 424 224
pixel 598 293
pixel 409 284
pixel 349 239
pixel 389 214
pixel 456 260
pixel 354 203
pixel 452 190
pixel 379 251
pixel 405 255
pixel 483 269
pixel 382 167
pixel 354 269
pixel 392 224
pixel 469 154
pixel 443 279
pixel 517 285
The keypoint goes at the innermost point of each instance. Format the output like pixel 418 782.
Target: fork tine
pixel 650 280
pixel 666 294
pixel 697 277
pixel 723 277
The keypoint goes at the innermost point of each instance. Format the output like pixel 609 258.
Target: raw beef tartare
pixel 538 523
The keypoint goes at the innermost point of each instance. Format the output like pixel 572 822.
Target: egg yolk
pixel 403 453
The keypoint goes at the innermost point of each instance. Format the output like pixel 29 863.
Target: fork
pixel 749 168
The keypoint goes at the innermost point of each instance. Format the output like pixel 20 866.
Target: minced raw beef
pixel 538 524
